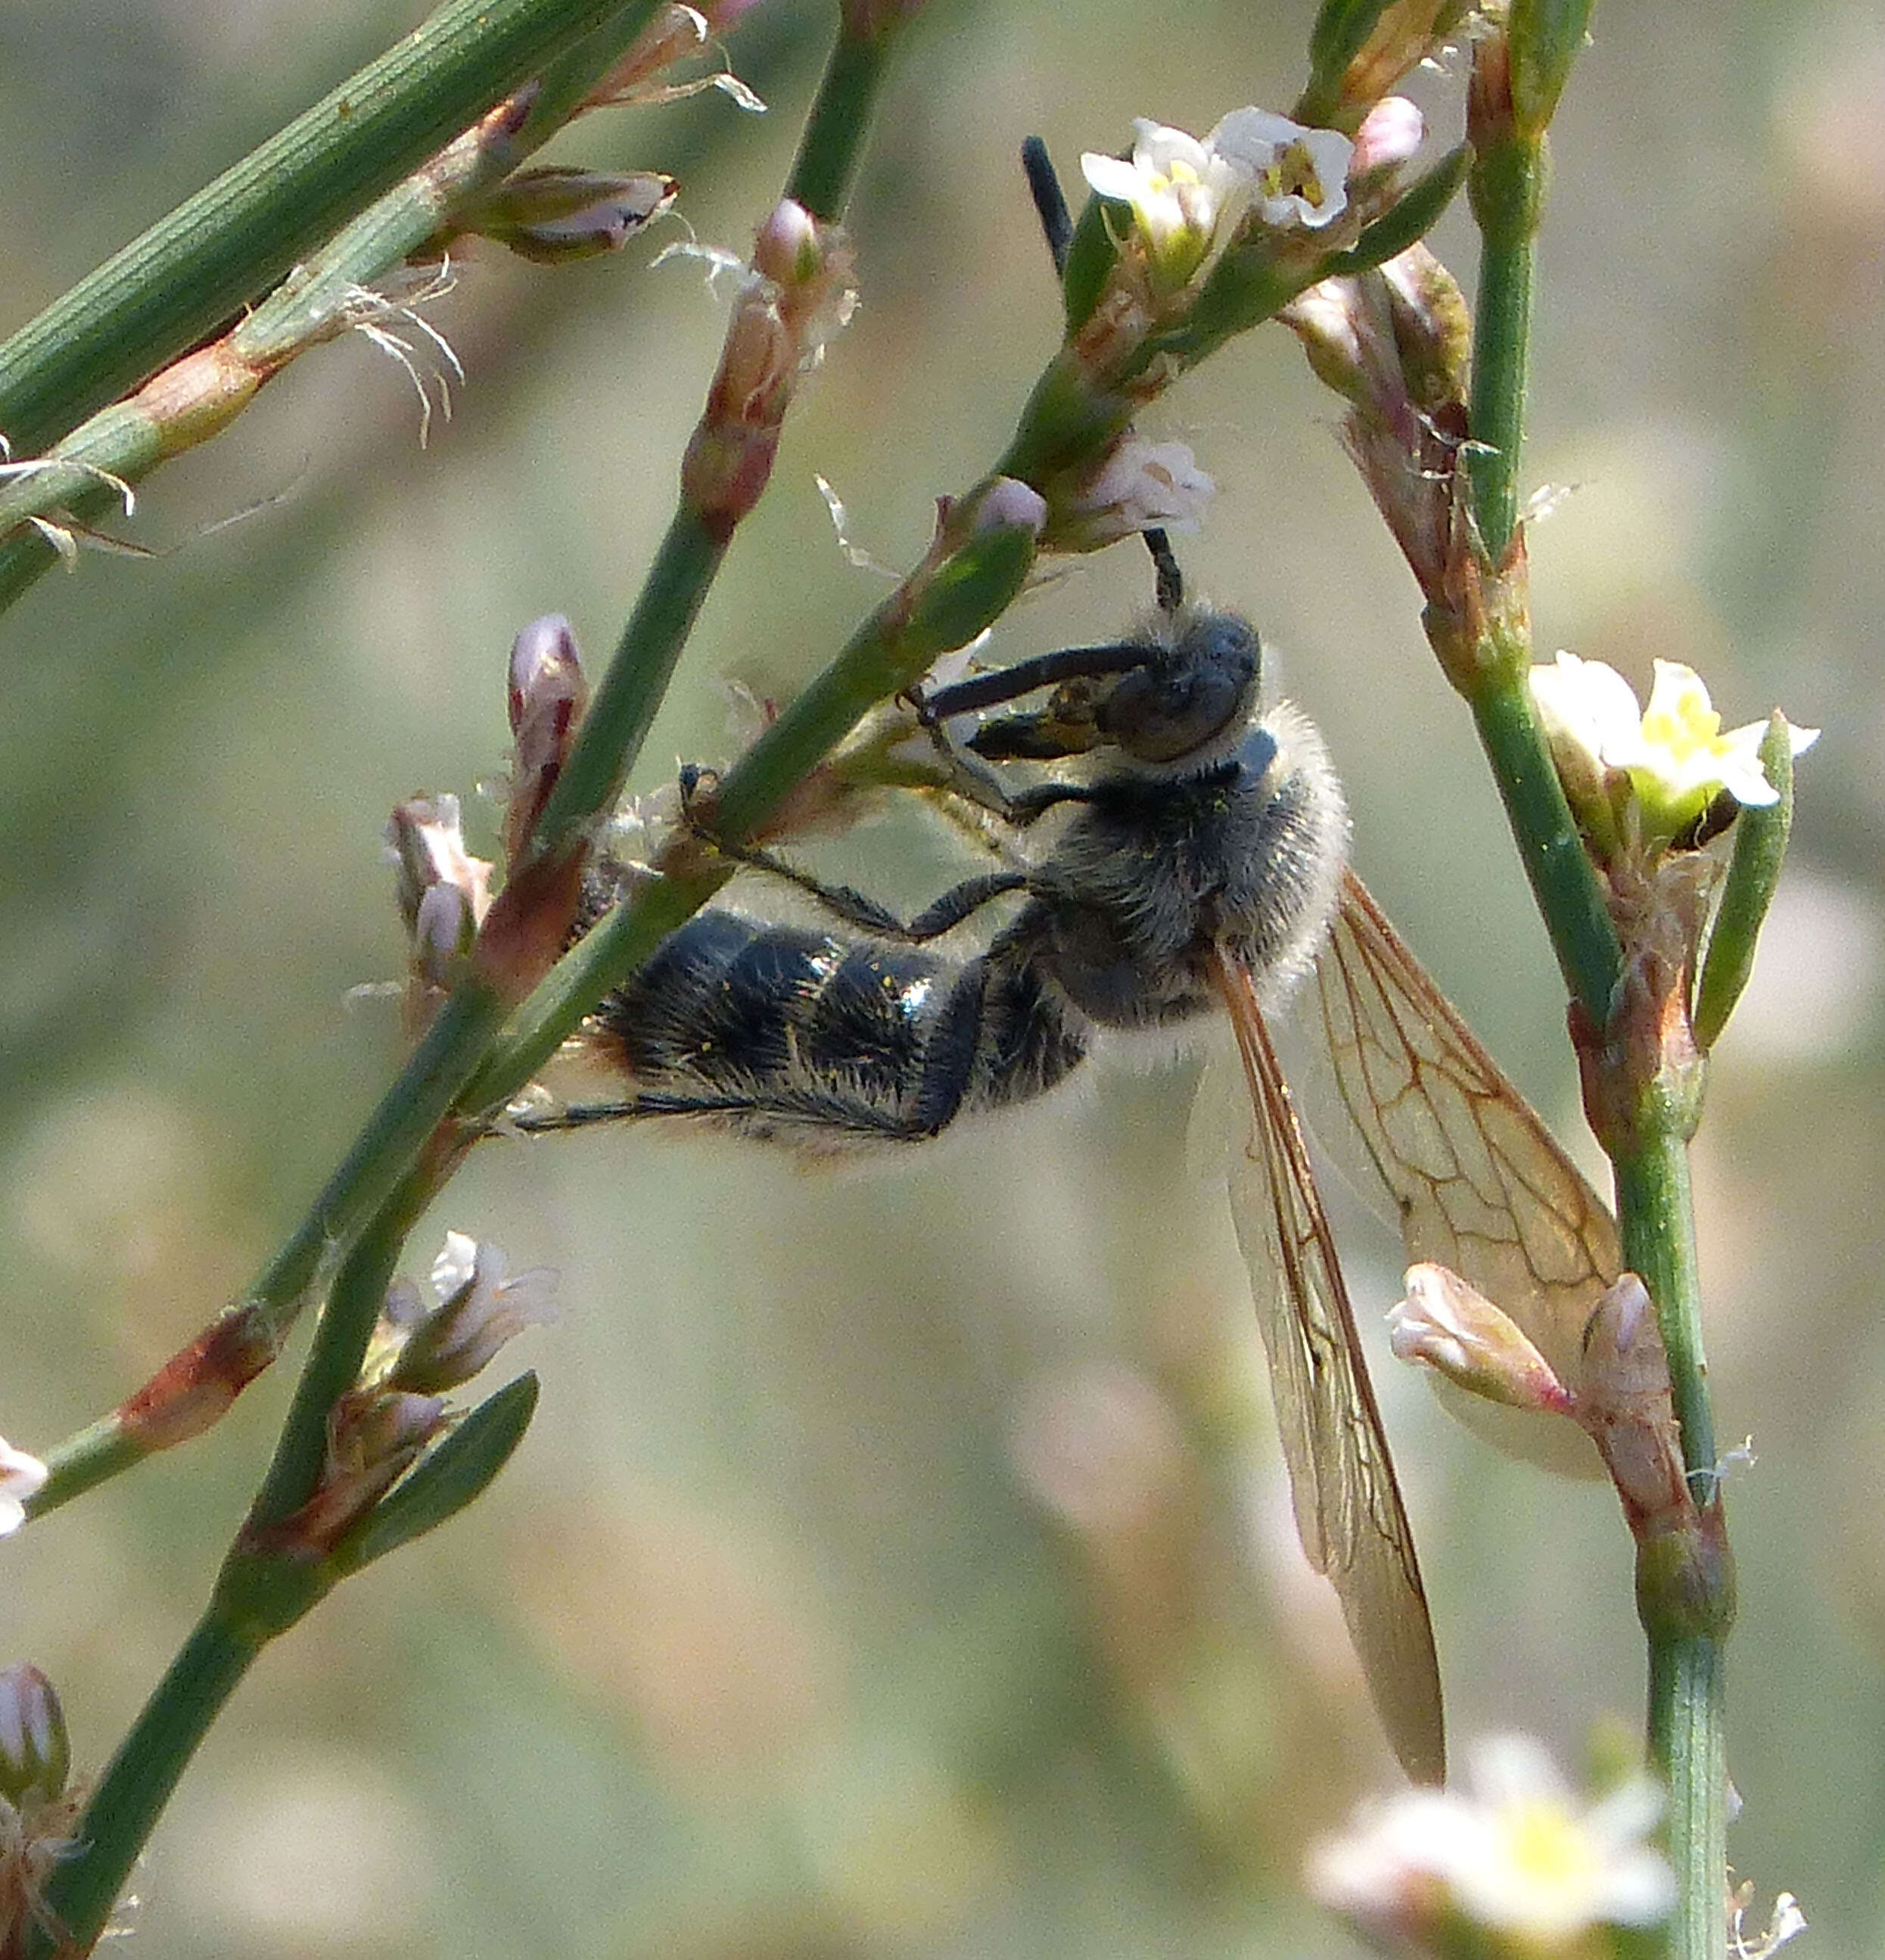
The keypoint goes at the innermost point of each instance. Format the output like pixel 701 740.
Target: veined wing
pixel 1479 1183
pixel 1348 1507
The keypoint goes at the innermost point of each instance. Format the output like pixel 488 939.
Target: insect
pixel 1199 867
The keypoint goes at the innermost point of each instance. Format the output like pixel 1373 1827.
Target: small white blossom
pixel 1140 485
pixel 1183 194
pixel 22 1477
pixel 1673 752
pixel 1515 1854
pixel 478 1310
pixel 1300 175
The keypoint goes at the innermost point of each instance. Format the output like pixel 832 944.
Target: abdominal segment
pixel 827 1042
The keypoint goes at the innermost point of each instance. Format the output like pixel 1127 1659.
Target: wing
pixel 1349 1512
pixel 1479 1184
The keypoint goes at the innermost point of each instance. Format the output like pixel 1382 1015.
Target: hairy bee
pixel 1200 868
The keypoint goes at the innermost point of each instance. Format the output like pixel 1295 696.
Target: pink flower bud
pixel 35 1755
pixel 1390 133
pixel 1452 1327
pixel 1007 500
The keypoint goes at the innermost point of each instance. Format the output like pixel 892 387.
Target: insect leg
pixel 855 908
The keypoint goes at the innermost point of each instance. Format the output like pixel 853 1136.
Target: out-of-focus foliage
pixel 899 1562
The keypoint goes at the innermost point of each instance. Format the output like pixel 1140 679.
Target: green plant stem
pixel 128 439
pixel 623 707
pixel 138 1782
pixel 1685 1573
pixel 1507 190
pixel 1687 1712
pixel 339 1346
pixel 1655 1213
pixel 235 238
pixel 831 148
pixel 1569 898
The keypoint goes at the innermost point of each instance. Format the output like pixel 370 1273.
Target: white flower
pixel 479 1310
pixel 1300 174
pixel 22 1477
pixel 1673 751
pixel 1140 485
pixel 1182 193
pixel 1515 1854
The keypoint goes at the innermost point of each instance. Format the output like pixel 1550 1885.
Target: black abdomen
pixel 781 1032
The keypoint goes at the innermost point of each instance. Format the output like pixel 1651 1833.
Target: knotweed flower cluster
pixel 382 1428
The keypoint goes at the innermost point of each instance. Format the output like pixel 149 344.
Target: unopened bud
pixel 1454 1327
pixel 442 935
pixel 785 249
pixel 373 1437
pixel 546 697
pixel 799 293
pixel 35 1756
pixel 1006 501
pixel 1390 133
pixel 1626 1403
pixel 554 215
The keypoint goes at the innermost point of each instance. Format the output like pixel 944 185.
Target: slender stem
pixel 624 705
pixel 1687 1711
pixel 137 1783
pixel 333 1363
pixel 830 150
pixel 1656 1214
pixel 1507 190
pixel 1570 899
pixel 1685 1584
pixel 237 236
pixel 1503 343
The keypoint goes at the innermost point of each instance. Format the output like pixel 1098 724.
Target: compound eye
pixel 1189 694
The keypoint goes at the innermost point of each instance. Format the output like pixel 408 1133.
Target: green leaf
pixel 443 1482
pixel 1545 37
pixel 1090 255
pixel 1408 220
pixel 1760 847
pixel 971 589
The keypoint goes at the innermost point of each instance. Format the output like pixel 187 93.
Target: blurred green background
pixel 899 1564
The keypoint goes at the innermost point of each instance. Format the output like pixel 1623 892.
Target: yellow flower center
pixel 1292 173
pixel 1551 1856
pixel 1690 729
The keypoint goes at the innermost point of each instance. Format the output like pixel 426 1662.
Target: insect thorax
pixel 1244 853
